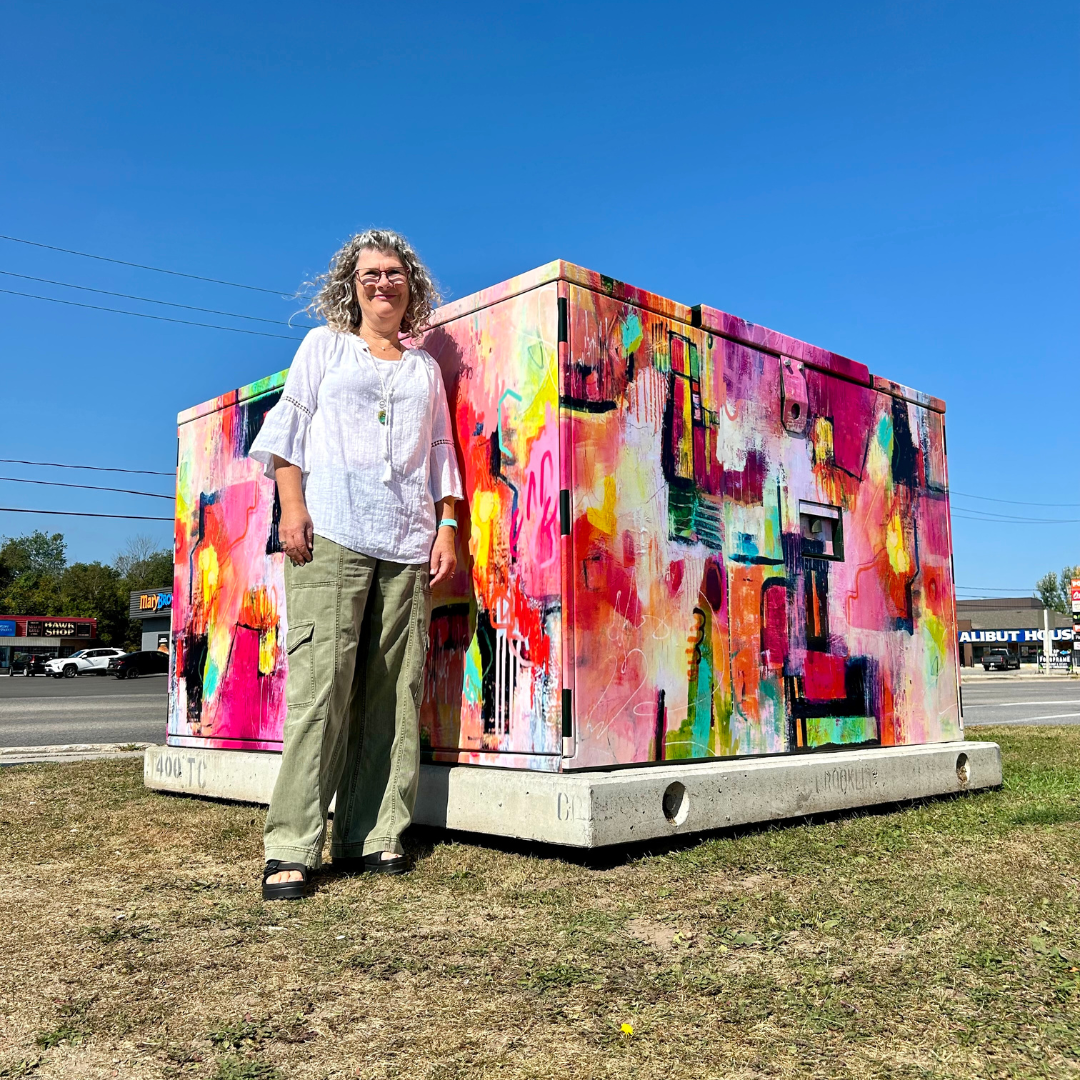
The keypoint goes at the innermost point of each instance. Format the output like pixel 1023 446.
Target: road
pixel 1052 699
pixel 98 709
pixel 88 709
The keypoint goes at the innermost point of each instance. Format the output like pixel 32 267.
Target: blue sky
pixel 895 182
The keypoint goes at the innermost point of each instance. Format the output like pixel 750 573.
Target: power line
pixel 143 315
pixel 1013 502
pixel 986 588
pixel 81 513
pixel 85 487
pixel 146 299
pixel 142 266
pixel 1008 519
pixel 95 468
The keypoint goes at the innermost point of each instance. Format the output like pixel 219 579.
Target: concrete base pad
pixel 593 809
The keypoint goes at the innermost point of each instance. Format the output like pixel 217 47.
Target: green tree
pixel 32 594
pixel 97 591
pixel 1054 589
pixel 1065 580
pixel 30 570
pixel 35 552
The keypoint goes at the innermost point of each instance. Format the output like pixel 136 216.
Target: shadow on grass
pixel 421 840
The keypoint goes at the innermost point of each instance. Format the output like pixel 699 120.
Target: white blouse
pixel 370 484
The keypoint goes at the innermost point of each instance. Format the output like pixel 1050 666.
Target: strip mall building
pixel 1014 624
pixel 42 635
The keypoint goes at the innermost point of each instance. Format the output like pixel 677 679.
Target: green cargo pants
pixel 356 644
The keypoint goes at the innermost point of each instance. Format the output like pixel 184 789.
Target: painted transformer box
pixel 684 536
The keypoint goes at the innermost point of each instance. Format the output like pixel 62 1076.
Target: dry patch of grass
pixel 937 940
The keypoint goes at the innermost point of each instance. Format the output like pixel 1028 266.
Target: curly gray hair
pixel 336 300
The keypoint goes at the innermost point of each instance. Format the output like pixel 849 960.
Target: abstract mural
pixel 684 536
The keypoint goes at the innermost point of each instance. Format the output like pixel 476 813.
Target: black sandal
pixel 284 890
pixel 376 864
pixel 371 864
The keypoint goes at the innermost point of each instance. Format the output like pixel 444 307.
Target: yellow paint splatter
pixel 603 517
pixel 894 544
pixel 208 569
pixel 938 635
pixel 485 511
pixel 821 438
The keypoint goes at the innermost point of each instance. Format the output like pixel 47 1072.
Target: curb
pixel 28 755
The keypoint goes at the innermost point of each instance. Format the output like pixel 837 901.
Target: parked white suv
pixel 84 662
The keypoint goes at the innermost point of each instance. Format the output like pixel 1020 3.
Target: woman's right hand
pixel 296 533
pixel 295 530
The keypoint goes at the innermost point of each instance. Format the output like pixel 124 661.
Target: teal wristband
pixel 452 522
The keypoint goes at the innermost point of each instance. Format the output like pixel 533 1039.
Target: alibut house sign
pixel 1003 637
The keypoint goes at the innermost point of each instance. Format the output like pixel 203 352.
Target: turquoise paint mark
pixel 506 394
pixel 211 678
pixel 885 435
pixel 473 679
pixel 535 355
pixel 773 546
pixel 631 335
pixel 840 730
pixel 702 707
pixel 747 545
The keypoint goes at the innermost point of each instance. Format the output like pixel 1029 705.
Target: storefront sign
pixel 153 602
pixel 35 628
pixel 1058 661
pixel 7 628
pixel 1074 591
pixel 58 628
pixel 1003 637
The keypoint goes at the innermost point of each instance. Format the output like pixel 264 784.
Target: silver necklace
pixel 385 403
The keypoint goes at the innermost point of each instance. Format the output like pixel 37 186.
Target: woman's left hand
pixel 443 556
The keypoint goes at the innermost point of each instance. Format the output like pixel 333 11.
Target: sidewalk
pixel 970 675
pixel 27 755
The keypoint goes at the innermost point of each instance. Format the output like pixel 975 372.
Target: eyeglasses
pixel 394 276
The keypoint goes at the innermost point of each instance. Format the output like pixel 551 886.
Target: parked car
pixel 1000 660
pixel 27 665
pixel 133 664
pixel 83 662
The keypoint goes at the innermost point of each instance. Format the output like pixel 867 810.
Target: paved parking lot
pixel 89 709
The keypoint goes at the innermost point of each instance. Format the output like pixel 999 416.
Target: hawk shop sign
pixel 57 628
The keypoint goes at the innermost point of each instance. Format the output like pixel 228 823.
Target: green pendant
pixel 382 416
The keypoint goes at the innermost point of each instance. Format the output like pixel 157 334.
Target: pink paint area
pixel 823 677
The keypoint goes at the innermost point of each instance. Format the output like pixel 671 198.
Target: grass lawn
pixel 936 940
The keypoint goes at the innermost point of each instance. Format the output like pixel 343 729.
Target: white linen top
pixel 369 486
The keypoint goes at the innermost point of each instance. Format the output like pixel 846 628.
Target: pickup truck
pixel 1000 659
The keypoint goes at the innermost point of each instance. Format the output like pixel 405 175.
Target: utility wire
pixel 146 299
pixel 95 468
pixel 1013 502
pixel 1003 588
pixel 142 266
pixel 85 487
pixel 80 513
pixel 143 315
pixel 1018 521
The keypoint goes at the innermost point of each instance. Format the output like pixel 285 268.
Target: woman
pixel 362 451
